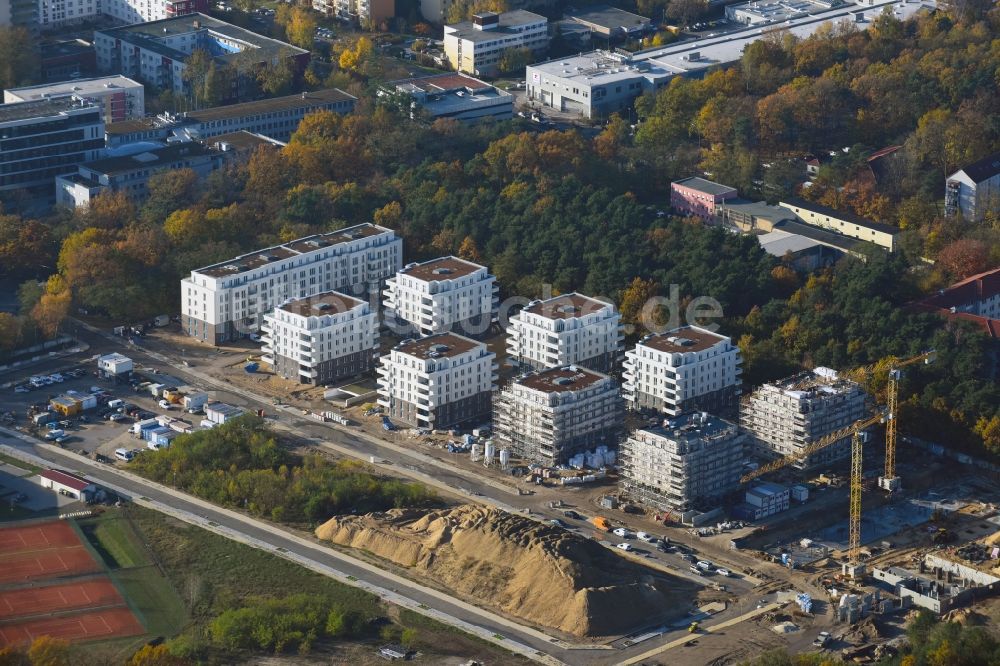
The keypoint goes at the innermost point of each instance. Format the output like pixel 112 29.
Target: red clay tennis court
pixel 56 534
pixel 42 564
pixel 91 625
pixel 60 597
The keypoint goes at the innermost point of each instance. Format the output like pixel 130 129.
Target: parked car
pixel 624 546
pixel 723 572
pixel 648 538
pixel 571 514
pixel 164 404
pixel 622 532
pixel 557 523
pixel 703 565
pixel 822 640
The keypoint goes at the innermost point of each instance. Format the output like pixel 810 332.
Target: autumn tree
pixel 158 655
pixel 195 74
pixel 18 57
pixel 169 190
pixel 353 58
pixel 108 210
pixel 965 257
pixel 301 27
pixel 48 651
pixel 686 11
pixel 634 299
pixel 24 244
pixel 469 251
pixel 276 78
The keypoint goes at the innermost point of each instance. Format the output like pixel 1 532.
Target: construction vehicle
pixel 693 628
pixel 601 523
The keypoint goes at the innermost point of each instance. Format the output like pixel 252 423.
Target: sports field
pixel 51 584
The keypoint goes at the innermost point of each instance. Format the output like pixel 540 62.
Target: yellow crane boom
pixel 889 481
pixel 818 445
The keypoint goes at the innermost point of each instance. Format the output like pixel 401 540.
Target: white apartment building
pixel 974 192
pixel 53 13
pixel 322 338
pixel 682 370
pixel 359 12
pixel 549 416
pixel 441 295
pixel 571 329
pixel 228 300
pixel 439 381
pixel 120 97
pixel 689 462
pixel 784 417
pixel 477 46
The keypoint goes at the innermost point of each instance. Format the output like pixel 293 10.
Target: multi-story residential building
pixel 226 301
pixel 975 299
pixel 842 222
pixel 570 329
pixel 477 46
pixel 120 98
pixel 366 13
pixel 974 192
pixel 19 14
pixel 276 118
pixel 549 416
pixel 686 369
pixel 67 59
pixel 141 11
pixel 157 52
pixel 321 338
pixel 439 381
pixel 689 462
pixel 442 295
pixel 699 197
pixel 42 139
pixel 55 13
pixel 450 96
pixel 784 417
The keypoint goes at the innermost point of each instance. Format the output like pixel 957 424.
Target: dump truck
pixel 601 523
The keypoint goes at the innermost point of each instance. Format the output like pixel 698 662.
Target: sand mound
pixel 530 570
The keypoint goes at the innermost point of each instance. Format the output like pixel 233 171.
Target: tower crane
pixel 889 481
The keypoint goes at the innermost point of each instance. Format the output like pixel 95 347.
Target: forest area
pixel 553 207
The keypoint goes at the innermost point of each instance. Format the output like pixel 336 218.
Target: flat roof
pixel 690 425
pixel 782 10
pixel 512 19
pixel 253 260
pixel 824 236
pixel 561 380
pixel 41 108
pixel 442 268
pixel 439 345
pixel 759 209
pixel 566 306
pixel 682 340
pixel 778 242
pixel 848 216
pixel 327 303
pixel 223 408
pixel 243 141
pixel 436 83
pixel 666 61
pixel 151 158
pixel 82 87
pixel 151 35
pixel 609 17
pixel 704 185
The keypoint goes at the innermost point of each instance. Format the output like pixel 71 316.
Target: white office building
pixel 119 97
pixel 689 462
pixel 682 370
pixel 228 300
pixel 784 417
pixel 571 329
pixel 477 46
pixel 322 338
pixel 549 416
pixel 440 381
pixel 442 295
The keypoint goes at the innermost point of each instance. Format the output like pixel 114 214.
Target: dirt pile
pixel 533 571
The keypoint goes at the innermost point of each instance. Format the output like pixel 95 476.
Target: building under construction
pixel 786 416
pixel 547 417
pixel 691 461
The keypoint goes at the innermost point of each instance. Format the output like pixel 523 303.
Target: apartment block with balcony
pixel 974 191
pixel 784 417
pixel 442 295
pixel 42 139
pixel 440 381
pixel 477 46
pixel 570 329
pixel 682 370
pixel 228 300
pixel 359 12
pixel 322 338
pixel 689 462
pixel 120 98
pixel 549 416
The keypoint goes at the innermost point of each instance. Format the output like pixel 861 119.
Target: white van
pixel 115 403
pixel 55 434
pixel 124 454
